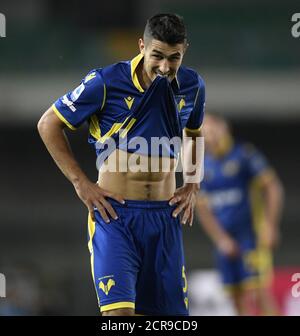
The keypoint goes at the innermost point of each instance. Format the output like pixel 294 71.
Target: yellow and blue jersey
pixel 227 182
pixel 137 260
pixel 115 105
pixel 230 187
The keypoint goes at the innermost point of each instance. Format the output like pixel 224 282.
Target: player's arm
pixel 71 110
pixel 51 130
pixel 192 159
pixel 267 181
pixel 273 196
pixel 192 174
pixel 222 240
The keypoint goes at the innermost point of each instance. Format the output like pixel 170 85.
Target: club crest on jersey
pixel 181 104
pixel 231 168
pixel 107 287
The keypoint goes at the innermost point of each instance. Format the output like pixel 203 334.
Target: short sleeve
pixel 78 105
pixel 255 162
pixel 196 118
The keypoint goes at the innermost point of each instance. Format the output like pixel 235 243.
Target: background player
pixel 239 207
pixel 136 246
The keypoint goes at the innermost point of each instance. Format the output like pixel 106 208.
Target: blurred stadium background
pixel 251 65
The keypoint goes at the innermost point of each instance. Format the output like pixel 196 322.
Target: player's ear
pixel 141 45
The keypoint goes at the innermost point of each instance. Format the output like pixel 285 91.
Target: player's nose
pixel 164 67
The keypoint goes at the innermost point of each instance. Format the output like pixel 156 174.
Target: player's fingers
pixel 175 199
pixel 185 216
pixel 116 197
pixel 109 208
pixel 191 219
pixel 178 210
pixel 102 211
pixel 107 193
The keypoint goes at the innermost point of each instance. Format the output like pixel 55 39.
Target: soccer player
pixel 136 212
pixel 239 207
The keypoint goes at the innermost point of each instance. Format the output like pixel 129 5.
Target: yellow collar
pixel 134 64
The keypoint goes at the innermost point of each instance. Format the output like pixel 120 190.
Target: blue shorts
pixel 138 260
pixel 252 268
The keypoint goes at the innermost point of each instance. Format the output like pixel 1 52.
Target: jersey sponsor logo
pixel 129 101
pixel 220 199
pixel 107 287
pixel 231 168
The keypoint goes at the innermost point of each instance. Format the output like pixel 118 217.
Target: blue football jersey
pixel 227 182
pixel 116 107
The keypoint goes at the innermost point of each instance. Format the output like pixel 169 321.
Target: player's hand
pixel 228 246
pixel 185 198
pixel 94 196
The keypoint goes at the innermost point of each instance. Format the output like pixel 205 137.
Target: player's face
pixel 214 131
pixel 161 58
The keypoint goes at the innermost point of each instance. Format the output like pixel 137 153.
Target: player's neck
pixel 143 78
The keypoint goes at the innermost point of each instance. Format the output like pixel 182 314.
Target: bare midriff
pixel 137 177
